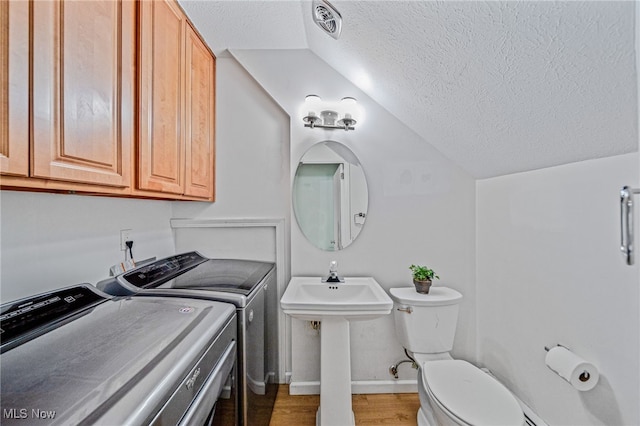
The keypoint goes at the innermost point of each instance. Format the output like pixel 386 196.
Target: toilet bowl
pixel 459 393
pixel 452 392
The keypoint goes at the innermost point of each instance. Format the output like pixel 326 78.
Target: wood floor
pixel 371 409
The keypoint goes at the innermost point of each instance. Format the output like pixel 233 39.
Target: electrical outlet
pixel 125 235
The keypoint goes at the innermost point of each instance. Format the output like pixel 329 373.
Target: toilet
pixel 452 392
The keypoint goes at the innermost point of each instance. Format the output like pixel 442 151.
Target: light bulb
pixel 348 102
pixel 312 100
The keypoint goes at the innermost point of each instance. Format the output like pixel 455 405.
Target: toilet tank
pixel 426 323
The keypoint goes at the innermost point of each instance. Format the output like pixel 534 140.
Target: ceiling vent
pixel 327 17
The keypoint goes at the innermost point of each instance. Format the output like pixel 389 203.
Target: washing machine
pixel 79 356
pixel 249 285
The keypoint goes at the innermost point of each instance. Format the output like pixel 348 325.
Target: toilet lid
pixel 470 394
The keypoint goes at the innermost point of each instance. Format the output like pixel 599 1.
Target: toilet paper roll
pixel 581 374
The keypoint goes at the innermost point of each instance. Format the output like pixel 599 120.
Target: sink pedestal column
pixel 335 374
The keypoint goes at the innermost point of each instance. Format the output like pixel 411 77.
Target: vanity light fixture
pixel 328 118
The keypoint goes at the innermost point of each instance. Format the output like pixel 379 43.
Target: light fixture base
pixel 329 117
pixel 347 123
pixel 311 120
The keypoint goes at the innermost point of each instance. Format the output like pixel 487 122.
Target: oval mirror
pixel 330 197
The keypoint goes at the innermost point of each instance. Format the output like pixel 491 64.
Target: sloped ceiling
pixel 498 87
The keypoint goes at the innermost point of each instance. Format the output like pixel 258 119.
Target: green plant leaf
pixel 422 273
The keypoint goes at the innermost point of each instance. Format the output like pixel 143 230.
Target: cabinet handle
pixel 626 222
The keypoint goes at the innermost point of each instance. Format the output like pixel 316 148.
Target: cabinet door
pixel 161 146
pixel 199 118
pixel 83 78
pixel 14 93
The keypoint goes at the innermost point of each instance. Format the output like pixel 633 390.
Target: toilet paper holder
pixel 584 376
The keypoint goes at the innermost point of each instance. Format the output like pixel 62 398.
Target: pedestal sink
pixel 335 304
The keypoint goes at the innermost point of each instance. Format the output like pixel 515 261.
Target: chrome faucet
pixel 333 274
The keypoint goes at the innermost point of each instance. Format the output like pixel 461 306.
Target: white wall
pixel 50 241
pixel 549 271
pixel 421 210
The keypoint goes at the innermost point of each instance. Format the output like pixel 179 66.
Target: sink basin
pixel 358 298
pixel 335 305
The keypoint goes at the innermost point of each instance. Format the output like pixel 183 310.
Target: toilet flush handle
pixel 407 309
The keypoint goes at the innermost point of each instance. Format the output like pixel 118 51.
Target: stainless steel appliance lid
pixel 193 271
pixel 232 275
pixel 25 319
pixel 125 357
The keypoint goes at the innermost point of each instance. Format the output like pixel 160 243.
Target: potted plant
pixel 422 278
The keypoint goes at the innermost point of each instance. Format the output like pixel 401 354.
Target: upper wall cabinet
pixel 83 78
pixel 14 93
pixel 175 150
pixel 73 127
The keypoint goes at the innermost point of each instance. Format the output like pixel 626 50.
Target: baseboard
pixel 358 387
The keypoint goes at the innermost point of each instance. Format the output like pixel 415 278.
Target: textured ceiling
pixel 498 87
